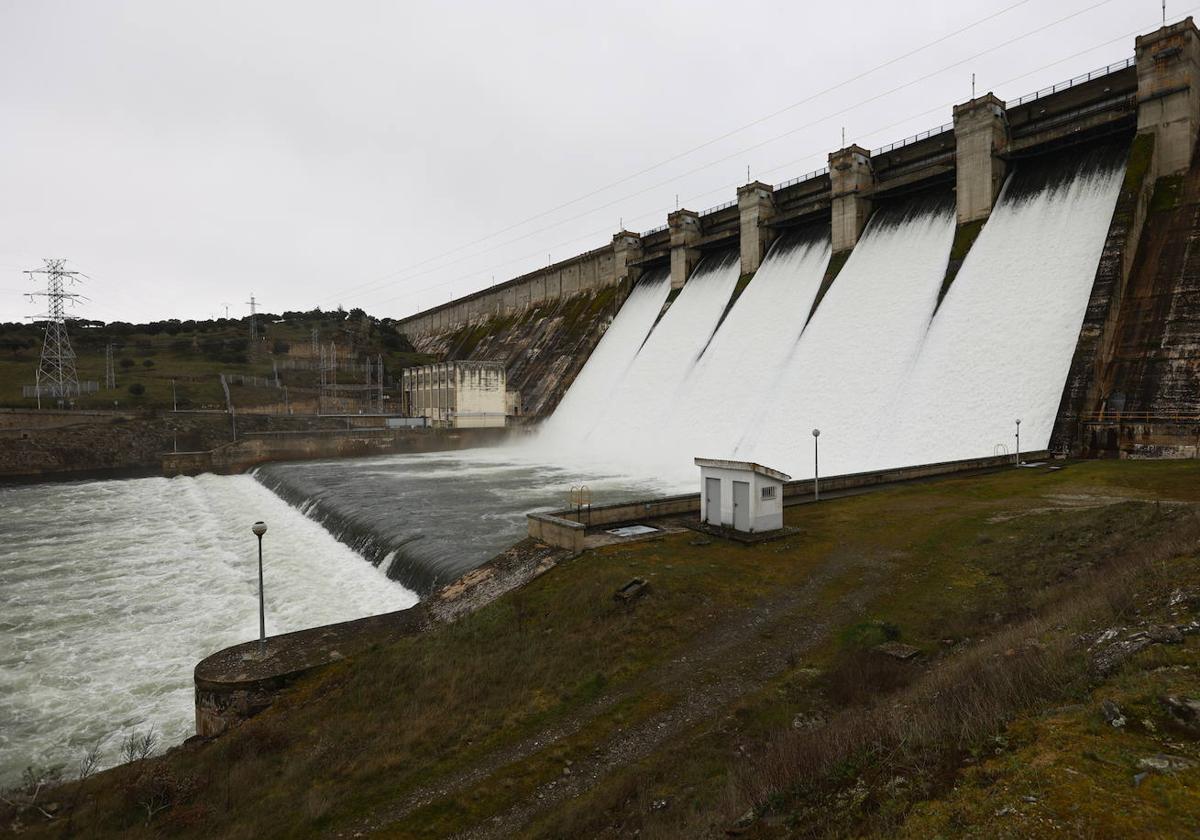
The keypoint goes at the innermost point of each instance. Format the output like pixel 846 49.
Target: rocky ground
pixel 1005 655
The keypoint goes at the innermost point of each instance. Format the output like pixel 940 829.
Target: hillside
pixel 746 691
pixel 193 354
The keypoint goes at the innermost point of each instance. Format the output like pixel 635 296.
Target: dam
pixel 1027 260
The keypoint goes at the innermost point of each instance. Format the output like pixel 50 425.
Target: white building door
pixel 712 501
pixel 741 505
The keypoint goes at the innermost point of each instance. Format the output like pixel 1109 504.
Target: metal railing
pixel 88 386
pixel 1070 83
pixel 816 173
pixel 1139 417
pixel 916 138
pixel 719 207
pixel 653 231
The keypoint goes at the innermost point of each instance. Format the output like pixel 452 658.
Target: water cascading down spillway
pixel 889 376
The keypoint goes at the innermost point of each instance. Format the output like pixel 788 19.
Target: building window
pixel 768 492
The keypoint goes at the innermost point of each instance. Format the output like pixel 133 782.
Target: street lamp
pixel 1018 441
pixel 259 529
pixel 816 471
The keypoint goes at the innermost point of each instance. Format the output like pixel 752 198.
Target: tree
pixel 137 389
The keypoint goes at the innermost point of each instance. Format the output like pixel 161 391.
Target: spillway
pixel 890 377
pixel 575 416
pixel 857 349
pixel 112 591
pixel 426 519
pixel 1000 345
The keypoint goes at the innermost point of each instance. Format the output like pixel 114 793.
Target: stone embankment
pixel 263 447
pixel 237 683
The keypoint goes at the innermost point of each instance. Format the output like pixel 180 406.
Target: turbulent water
pixel 890 377
pixel 426 519
pixel 1001 343
pixel 112 591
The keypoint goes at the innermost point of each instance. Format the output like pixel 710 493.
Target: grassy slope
pixel 558 712
pixel 175 357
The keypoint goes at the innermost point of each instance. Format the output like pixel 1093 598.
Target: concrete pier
pixel 756 209
pixel 1168 88
pixel 685 245
pixel 627 250
pixel 852 180
pixel 1156 92
pixel 980 141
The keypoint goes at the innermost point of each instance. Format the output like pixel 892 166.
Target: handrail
pixel 908 141
pixel 714 209
pixel 816 173
pixel 1070 83
pixel 1138 417
pixel 653 231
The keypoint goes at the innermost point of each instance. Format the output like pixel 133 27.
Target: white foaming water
pixel 627 416
pixel 1001 344
pixel 576 414
pixel 749 352
pixel 857 350
pixel 112 591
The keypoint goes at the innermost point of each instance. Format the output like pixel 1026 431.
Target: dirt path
pixel 759 642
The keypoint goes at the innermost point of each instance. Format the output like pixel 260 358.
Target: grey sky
pixel 187 154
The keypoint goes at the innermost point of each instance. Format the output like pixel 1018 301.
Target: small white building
pixel 740 494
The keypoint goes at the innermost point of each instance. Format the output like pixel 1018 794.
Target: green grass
pixel 956 558
pixel 192 357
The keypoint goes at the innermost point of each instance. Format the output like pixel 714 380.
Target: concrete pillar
pixel 627 249
pixel 756 207
pixel 1168 69
pixel 980 138
pixel 685 237
pixel 852 178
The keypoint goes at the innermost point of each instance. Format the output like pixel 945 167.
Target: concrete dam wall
pixel 1116 341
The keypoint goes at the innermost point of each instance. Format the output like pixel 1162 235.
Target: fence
pixel 916 138
pixel 60 391
pixel 816 173
pixel 1070 83
pixel 719 207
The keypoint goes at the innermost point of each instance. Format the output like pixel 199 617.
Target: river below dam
pixel 112 591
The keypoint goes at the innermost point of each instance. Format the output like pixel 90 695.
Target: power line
pixel 792 164
pixel 372 285
pixel 712 141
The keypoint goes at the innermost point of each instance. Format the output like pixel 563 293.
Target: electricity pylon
pixel 56 369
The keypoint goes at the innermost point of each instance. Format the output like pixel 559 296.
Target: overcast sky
pixel 395 155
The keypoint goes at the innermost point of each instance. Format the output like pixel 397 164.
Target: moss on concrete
pixel 836 263
pixel 964 237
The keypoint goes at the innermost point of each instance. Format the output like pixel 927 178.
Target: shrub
pixel 148 363
pixel 127 363
pixel 137 389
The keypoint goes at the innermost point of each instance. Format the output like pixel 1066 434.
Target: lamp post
pixel 816 471
pixel 174 399
pixel 259 529
pixel 1018 441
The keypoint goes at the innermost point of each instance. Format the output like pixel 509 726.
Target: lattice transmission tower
pixel 56 375
pixel 253 323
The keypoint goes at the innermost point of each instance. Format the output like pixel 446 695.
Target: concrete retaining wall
pixel 566 528
pixel 250 451
pixel 19 418
pixel 586 272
